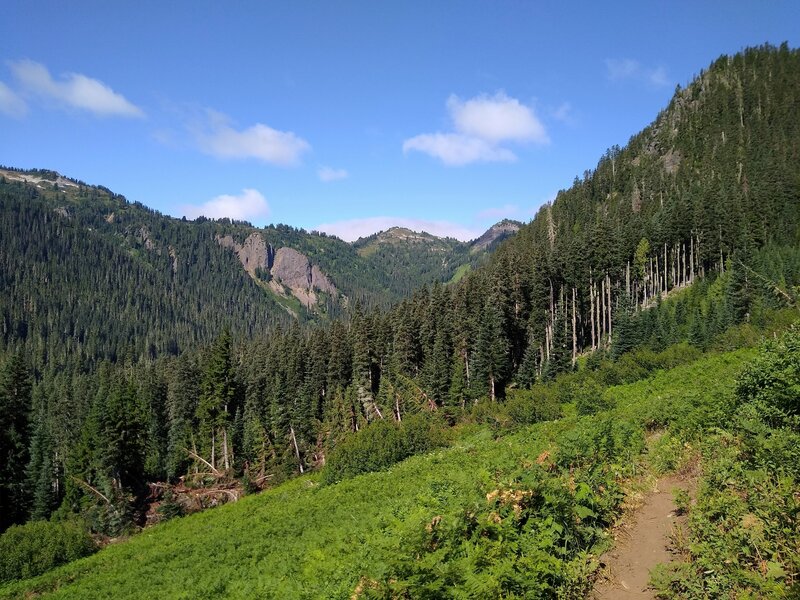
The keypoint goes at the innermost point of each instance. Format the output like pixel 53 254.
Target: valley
pixel 205 408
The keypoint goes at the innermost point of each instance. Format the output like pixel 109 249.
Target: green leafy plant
pixel 38 546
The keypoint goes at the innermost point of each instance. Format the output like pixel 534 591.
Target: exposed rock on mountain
pixel 288 268
pixel 495 234
pixel 255 253
pixel 295 271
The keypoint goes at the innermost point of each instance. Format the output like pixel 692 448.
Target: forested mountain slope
pixel 688 231
pixel 77 259
pixel 713 178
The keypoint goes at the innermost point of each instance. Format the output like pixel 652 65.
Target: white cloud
pixel 496 118
pixel 627 68
pixel 328 174
pixel 455 149
pixel 499 212
pixel 218 138
pixel 73 90
pixel 250 204
pixel 10 103
pixel 351 230
pixel 481 125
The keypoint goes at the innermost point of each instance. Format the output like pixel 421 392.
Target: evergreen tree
pixel 15 406
pixel 560 355
pixel 626 334
pixel 492 357
pixel 217 405
pixel 182 394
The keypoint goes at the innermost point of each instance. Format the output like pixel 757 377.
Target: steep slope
pixel 495 234
pixel 519 514
pixel 686 232
pixel 77 258
pixel 715 177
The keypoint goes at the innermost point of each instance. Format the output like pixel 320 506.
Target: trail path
pixel 642 544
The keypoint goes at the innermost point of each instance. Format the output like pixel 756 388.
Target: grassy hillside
pixel 538 496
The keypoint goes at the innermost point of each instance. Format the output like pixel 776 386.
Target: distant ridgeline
pixel 709 193
pixel 87 275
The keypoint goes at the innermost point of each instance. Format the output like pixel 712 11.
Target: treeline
pixel 707 195
pixel 88 276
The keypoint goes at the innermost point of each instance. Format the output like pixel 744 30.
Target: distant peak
pixel 496 233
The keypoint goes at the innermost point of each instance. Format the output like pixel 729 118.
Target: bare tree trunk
pixel 296 449
pixel 574 330
pixel 225 448
pixel 608 288
pixel 552 319
pixel 628 278
pixel 591 305
pixel 657 282
pixel 541 361
pixel 213 449
pixel 548 337
pixel 602 321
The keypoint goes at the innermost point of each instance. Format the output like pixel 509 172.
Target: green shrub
pixel 38 546
pixel 382 444
pixel 526 407
pixel 676 355
pixel 493 414
pixel 590 399
pixel 772 381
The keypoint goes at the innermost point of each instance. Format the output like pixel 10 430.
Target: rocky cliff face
pixel 290 270
pixel 496 233
pixel 253 254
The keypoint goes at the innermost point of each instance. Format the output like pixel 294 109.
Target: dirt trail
pixel 642 544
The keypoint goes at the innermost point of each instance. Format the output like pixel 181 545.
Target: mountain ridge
pixel 273 272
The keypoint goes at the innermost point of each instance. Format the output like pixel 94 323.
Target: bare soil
pixel 642 542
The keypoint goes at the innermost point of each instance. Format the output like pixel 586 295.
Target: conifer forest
pixel 422 417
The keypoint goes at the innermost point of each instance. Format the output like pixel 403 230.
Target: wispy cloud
pixel 627 68
pixel 481 124
pixel 328 174
pixel 351 230
pixel 217 137
pixel 72 90
pixel 248 205
pixel 10 103
pixel 499 212
pixel 622 68
pixel 455 149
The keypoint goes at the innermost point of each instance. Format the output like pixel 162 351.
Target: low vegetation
pixel 744 532
pixel 38 546
pixel 502 512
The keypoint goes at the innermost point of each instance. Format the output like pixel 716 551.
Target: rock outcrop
pixel 290 270
pixel 295 271
pixel 495 234
pixel 253 254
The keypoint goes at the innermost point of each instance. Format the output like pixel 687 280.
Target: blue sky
pixel 350 116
